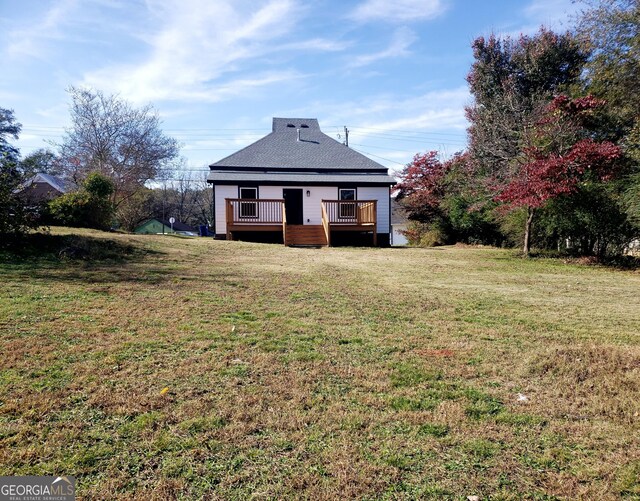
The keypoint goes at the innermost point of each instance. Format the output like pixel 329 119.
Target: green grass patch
pixel 413 404
pixel 406 374
pixel 433 430
pixel 628 480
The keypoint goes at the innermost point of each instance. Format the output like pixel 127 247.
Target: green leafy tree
pixel 89 207
pixel 589 222
pixel 528 144
pixel 16 216
pixel 43 161
pixel 612 29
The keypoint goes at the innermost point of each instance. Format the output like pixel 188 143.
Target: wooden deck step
pixel 305 234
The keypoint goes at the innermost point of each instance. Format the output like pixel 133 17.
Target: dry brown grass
pixel 319 374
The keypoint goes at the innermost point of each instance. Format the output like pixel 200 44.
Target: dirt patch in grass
pixel 584 382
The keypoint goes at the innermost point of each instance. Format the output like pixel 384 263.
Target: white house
pixel 301 187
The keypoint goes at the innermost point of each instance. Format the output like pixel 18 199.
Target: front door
pixel 293 205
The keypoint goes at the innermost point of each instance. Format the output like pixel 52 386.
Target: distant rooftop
pixel 58 183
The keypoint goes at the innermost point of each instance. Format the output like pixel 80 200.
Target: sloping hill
pixel 157 368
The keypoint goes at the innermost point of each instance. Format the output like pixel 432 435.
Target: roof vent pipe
pixel 298 134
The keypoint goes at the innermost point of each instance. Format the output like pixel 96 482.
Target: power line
pixel 423 142
pixel 378 156
pixel 229 137
pixel 460 134
pixel 234 131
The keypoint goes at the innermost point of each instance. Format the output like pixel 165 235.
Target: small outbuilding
pixel 162 226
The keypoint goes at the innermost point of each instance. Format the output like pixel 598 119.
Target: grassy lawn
pixel 160 368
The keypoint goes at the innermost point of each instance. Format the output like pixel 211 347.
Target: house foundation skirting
pixel 383 239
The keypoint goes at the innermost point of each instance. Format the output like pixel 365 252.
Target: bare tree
pixel 138 208
pixel 204 202
pixel 185 196
pixel 111 137
pixel 188 198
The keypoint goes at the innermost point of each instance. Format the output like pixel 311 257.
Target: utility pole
pixel 346 136
pixel 164 197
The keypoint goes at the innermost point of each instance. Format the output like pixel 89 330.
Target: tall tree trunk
pixel 527 232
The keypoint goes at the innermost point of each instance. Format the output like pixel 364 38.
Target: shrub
pixel 88 207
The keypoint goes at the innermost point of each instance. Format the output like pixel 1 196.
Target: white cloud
pixel 551 11
pixel 397 10
pixel 29 41
pixel 436 110
pixel 553 14
pixel 52 112
pixel 432 120
pixel 402 40
pixel 199 44
pixel 315 44
pixel 238 87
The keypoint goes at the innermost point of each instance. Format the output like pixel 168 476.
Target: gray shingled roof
pixel 281 150
pixel 58 183
pixel 301 178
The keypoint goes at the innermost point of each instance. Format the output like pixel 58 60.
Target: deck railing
pixel 254 212
pixel 350 212
pixel 270 215
pixel 325 223
pixel 284 225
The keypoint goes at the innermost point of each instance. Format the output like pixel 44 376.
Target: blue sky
pixel 217 71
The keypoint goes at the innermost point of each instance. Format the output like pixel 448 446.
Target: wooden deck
pixel 349 215
pixel 255 215
pixel 243 215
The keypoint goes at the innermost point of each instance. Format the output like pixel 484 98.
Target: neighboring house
pixel 156 226
pixel 399 222
pixel 632 248
pixel 44 187
pixel 301 187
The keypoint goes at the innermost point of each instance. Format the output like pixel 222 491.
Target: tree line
pixel 554 143
pixel 122 168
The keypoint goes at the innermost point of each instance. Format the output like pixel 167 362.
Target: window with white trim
pixel 347 210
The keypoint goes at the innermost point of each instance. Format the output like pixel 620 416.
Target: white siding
pixel 381 194
pixel 311 211
pixel 312 208
pixel 272 192
pixel 223 192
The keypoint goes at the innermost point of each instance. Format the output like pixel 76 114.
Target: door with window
pixel 293 205
pixel 248 210
pixel 347 208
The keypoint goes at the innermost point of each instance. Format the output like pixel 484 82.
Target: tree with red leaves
pixel 558 157
pixel 512 80
pixel 422 187
pixel 529 143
